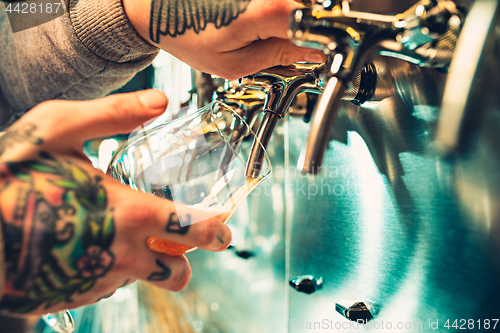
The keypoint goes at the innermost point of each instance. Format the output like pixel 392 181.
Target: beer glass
pixel 198 160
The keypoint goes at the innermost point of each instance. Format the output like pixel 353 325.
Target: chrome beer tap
pixel 273 90
pixel 281 84
pixel 424 34
pixel 247 103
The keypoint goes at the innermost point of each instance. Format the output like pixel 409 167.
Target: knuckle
pixel 121 107
pixel 138 216
pixel 284 56
pixel 180 281
pixel 274 9
pixel 230 69
pixel 47 111
pixel 278 57
pixel 207 234
pixel 124 264
pixel 229 76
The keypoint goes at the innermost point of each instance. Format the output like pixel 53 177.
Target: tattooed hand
pixel 229 38
pixel 72 234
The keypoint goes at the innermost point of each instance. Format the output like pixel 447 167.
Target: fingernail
pixel 314 57
pixel 153 99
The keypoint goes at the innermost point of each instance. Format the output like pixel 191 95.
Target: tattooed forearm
pixel 162 275
pixel 174 17
pixel 174 225
pixel 18 133
pixel 58 236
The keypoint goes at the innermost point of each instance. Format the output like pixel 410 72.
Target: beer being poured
pixel 223 212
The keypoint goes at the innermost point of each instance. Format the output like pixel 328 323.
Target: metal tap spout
pixel 343 37
pixel 281 84
pixel 351 37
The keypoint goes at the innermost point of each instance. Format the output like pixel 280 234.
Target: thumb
pixel 108 116
pixel 267 53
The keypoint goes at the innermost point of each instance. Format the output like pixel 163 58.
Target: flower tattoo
pixel 58 237
pixel 95 263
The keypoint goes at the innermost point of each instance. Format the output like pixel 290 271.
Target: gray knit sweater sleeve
pixel 84 54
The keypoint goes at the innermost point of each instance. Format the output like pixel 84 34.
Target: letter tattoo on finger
pixel 162 275
pixel 174 225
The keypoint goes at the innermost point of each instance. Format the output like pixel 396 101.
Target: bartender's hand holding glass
pixel 74 234
pixel 199 160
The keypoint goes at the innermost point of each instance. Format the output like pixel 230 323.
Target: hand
pixel 74 234
pixel 239 37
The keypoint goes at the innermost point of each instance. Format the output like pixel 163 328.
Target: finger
pixel 163 271
pixel 115 114
pixel 264 54
pixel 140 216
pixel 203 235
pixel 135 260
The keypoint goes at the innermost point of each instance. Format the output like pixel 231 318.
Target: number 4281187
pixel 33 8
